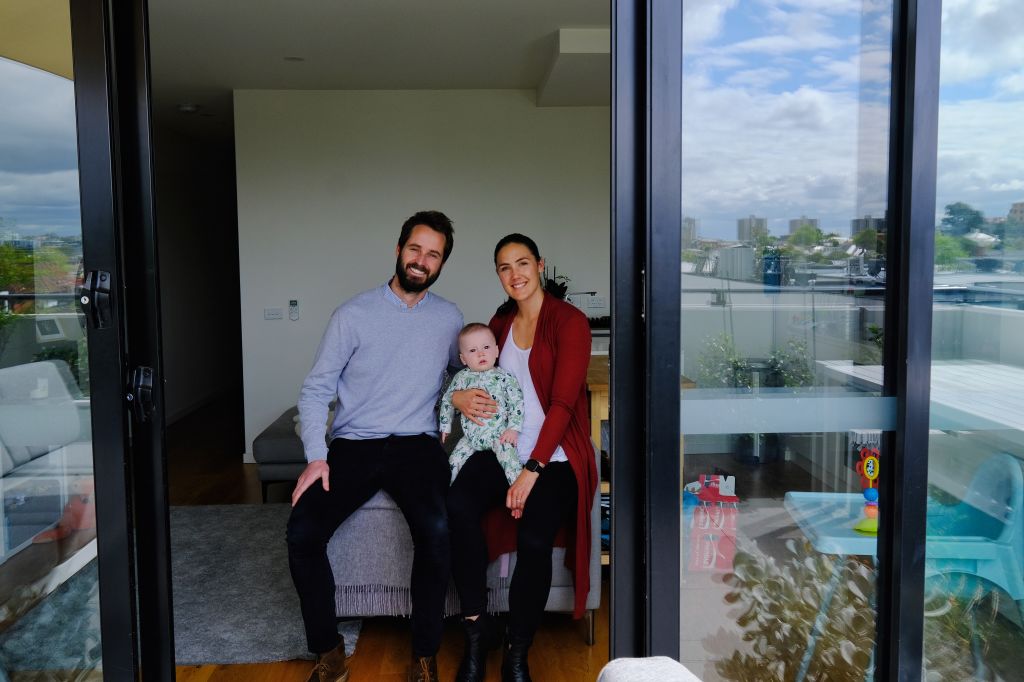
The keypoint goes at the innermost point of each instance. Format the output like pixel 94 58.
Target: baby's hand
pixel 509 436
pixel 444 436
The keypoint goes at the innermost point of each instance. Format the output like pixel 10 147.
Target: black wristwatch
pixel 533 465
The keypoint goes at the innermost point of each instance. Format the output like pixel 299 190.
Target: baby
pixel 479 351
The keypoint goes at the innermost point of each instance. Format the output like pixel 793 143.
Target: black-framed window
pixel 892 164
pixel 974 568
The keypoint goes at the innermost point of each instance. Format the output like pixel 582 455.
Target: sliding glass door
pixel 788 176
pixel 69 559
pixel 785 120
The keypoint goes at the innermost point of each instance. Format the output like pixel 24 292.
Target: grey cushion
pixel 653 669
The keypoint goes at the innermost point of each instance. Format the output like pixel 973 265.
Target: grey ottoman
pixel 278 451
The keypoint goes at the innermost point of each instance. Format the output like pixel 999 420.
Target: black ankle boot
pixel 514 666
pixel 481 637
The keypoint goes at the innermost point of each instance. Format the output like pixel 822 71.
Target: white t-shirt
pixel 517 361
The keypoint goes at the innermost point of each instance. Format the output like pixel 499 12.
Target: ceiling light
pixel 294 58
pixel 188 108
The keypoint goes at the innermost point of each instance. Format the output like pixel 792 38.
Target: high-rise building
pixel 691 228
pixel 750 228
pixel 796 223
pixel 866 223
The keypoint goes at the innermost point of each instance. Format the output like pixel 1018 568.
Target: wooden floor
pixel 204 468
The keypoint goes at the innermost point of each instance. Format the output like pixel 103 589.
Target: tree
pixel 948 250
pixel 806 235
pixel 867 240
pixel 961 218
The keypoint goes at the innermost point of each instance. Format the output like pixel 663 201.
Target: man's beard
pixel 411 286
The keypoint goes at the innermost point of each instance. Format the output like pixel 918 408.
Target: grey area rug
pixel 234 601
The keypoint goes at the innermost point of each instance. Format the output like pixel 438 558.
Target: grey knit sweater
pixel 385 362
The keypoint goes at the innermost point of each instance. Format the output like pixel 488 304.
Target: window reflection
pixel 784 153
pixel 975 550
pixel 49 595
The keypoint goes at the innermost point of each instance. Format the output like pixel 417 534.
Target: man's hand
pixel 515 500
pixel 314 471
pixel 510 436
pixel 475 404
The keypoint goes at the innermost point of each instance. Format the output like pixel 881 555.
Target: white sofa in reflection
pixel 45 444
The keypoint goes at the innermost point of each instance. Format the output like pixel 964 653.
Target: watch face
pixel 532 465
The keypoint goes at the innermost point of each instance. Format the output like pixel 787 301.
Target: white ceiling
pixel 201 50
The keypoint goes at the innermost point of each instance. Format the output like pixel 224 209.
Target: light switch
pixel 273 314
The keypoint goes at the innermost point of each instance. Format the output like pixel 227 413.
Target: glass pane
pixel 974 573
pixel 49 597
pixel 785 134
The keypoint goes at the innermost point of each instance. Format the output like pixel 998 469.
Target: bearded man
pixel 382 360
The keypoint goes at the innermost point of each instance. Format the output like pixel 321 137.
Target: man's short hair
pixel 436 221
pixel 474 327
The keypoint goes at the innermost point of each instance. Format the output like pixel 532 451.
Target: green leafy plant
pixel 720 365
pixel 789 366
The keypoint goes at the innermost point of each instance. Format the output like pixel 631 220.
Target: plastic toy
pixel 868 469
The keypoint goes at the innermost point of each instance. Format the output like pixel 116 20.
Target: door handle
pixel 140 393
pixel 94 298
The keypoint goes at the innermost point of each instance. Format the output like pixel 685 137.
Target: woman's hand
pixel 515 499
pixel 475 404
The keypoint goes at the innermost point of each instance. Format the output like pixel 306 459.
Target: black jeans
pixel 481 485
pixel 414 471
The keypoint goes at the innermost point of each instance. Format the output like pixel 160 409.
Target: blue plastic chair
pixel 983 534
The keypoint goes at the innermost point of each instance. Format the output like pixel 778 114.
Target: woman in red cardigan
pixel 545 342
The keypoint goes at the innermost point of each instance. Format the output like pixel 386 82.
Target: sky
pixel 38 152
pixel 785 114
pixel 785 110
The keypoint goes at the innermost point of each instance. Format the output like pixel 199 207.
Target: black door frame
pixel 110 53
pixel 112 103
pixel 646 116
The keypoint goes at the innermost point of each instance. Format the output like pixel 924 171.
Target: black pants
pixel 414 471
pixel 481 485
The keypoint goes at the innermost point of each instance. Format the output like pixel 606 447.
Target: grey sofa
pixel 373 577
pixel 45 446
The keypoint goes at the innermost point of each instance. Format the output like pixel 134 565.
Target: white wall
pixel 326 178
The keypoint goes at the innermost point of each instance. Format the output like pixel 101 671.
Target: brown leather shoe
pixel 423 669
pixel 331 667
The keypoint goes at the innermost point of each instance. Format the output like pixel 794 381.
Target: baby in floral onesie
pixel 478 350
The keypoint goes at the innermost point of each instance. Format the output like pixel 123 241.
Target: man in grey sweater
pixel 383 358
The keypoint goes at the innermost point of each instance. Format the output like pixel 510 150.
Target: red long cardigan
pixel 558 366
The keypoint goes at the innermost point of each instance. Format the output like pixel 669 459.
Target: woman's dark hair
pixel 515 238
pixel 436 221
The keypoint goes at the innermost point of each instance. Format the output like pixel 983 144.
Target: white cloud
pixel 1012 84
pixel 757 78
pixel 980 39
pixel 786 43
pixel 981 154
pixel 38 150
pixel 777 155
pixel 703 22
pixel 871 65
